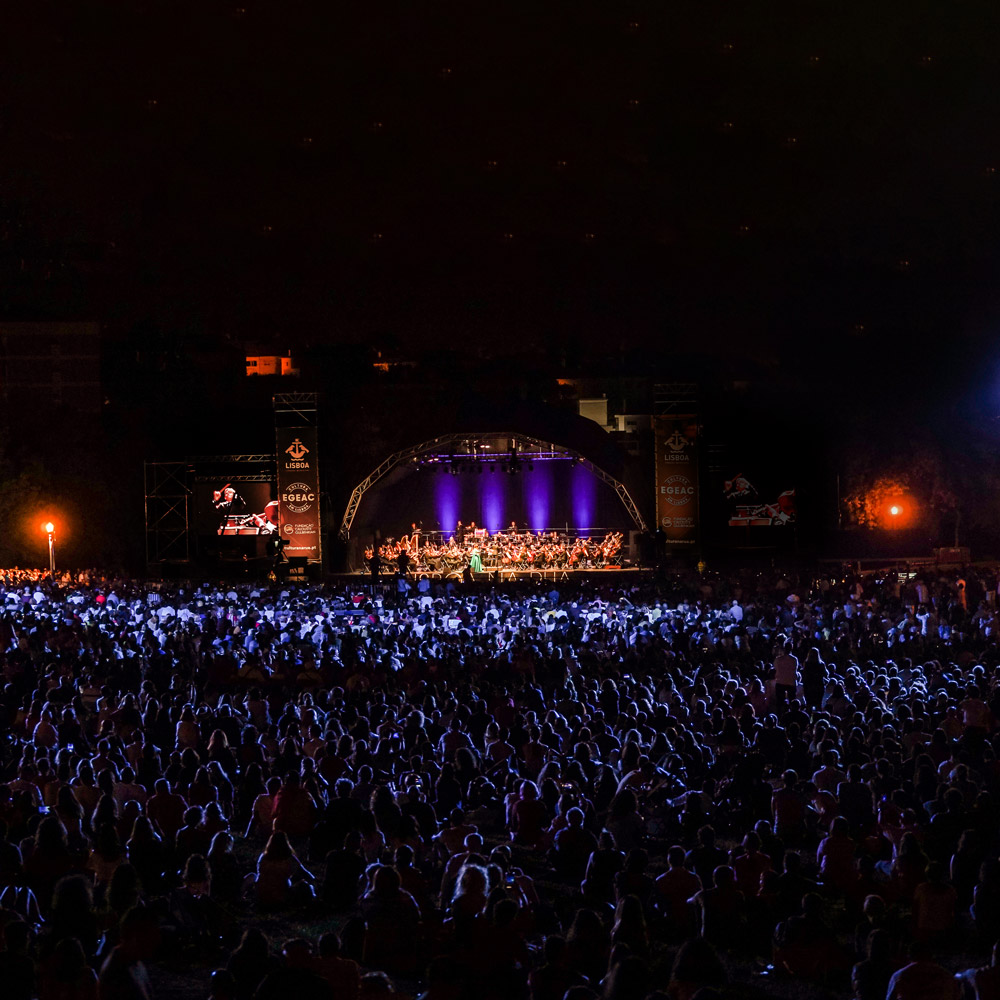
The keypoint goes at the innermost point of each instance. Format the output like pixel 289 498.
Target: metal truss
pixel 258 477
pixel 302 406
pixel 448 441
pixel 675 397
pixel 233 460
pixel 167 512
pixel 619 488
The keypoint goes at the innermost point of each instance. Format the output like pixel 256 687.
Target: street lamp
pixel 50 529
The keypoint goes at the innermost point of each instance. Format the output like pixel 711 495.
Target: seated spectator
pixel 281 879
pixel 673 890
pixel 573 846
pixel 345 870
pixel 554 977
pixel 934 907
pixel 341 973
pixel 393 920
pixel 528 816
pixel 696 967
pixel 805 945
pixel 250 962
pixel 721 909
pixel 836 858
pixel 922 977
pixel 870 977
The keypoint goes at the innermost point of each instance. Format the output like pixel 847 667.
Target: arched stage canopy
pixel 506 448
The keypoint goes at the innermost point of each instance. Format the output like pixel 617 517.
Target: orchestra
pixel 507 551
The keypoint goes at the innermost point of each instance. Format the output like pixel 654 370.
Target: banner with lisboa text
pixel 298 492
pixel 676 439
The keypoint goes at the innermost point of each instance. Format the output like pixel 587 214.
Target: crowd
pixel 698 787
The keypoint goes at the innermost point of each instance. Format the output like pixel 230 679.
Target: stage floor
pixel 515 574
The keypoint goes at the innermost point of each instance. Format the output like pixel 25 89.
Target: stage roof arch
pixel 482 446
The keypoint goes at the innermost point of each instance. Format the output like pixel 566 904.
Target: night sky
pixel 807 184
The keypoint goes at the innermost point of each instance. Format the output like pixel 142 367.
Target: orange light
pixel 48 527
pixel 895 510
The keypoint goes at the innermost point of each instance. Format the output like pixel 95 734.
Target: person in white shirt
pixel 786 673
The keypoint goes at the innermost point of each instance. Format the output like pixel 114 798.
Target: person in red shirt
pixel 166 809
pixel 528 816
pixel 922 979
pixel 788 810
pixel 673 890
pixel 749 863
pixel 294 808
pixel 835 857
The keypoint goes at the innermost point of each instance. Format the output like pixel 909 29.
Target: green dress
pixel 475 563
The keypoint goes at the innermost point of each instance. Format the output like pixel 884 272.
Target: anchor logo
pixel 297 450
pixel 677 442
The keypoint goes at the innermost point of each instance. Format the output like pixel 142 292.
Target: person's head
pixel 297 953
pixel 375 984
pixel 628 978
pixel 386 881
pixel 222 985
pixel 636 861
pixel 50 835
pixel 222 843
pixel 629 913
pixel 329 945
pixel 936 872
pixel 278 848
pixel 724 877
pixel 697 962
pixel 73 897
pixel 554 949
pixel 196 871
pixel 16 935
pixel 472 881
pixel 254 940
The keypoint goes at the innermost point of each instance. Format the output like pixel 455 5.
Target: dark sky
pixel 785 180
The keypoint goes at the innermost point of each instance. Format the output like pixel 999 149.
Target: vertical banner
pixel 298 492
pixel 677 478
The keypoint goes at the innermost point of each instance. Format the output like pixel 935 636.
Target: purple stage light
pixel 447 495
pixel 537 486
pixel 491 497
pixel 583 492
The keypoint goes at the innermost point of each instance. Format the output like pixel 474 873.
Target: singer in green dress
pixel 475 563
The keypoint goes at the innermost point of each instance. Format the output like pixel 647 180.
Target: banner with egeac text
pixel 298 492
pixel 677 478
